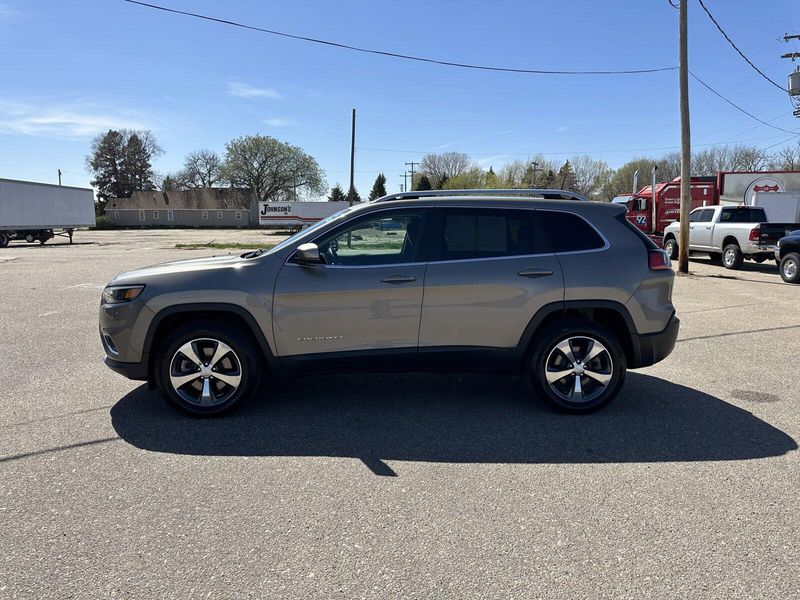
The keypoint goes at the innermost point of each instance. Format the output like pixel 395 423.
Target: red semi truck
pixel 653 212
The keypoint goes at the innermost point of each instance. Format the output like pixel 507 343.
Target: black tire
pixel 545 357
pixel 3 240
pixel 671 248
pixel 715 256
pixel 732 256
pixel 30 238
pixel 790 268
pixel 246 363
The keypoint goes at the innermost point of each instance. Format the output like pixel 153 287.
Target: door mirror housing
pixel 307 254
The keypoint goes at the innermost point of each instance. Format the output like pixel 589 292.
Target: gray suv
pixel 567 292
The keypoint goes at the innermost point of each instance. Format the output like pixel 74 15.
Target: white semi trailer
pixel 35 212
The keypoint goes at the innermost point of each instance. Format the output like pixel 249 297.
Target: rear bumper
pixel 651 348
pixel 136 371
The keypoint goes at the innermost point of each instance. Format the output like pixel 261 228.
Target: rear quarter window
pixel 568 232
pixel 650 244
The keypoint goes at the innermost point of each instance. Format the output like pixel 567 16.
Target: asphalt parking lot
pixel 394 486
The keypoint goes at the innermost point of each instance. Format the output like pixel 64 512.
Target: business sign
pixel 296 213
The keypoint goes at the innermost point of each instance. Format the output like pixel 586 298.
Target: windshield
pixel 308 230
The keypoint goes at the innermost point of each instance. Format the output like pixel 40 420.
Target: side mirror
pixel 307 254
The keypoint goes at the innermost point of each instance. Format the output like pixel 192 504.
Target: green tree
pixel 566 177
pixel 337 194
pixel 423 183
pixel 120 162
pixel 491 180
pixel 472 179
pixel 271 168
pixel 353 196
pixel 378 188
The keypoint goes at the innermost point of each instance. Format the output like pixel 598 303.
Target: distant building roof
pixel 195 198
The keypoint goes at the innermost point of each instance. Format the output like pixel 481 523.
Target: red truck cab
pixel 652 219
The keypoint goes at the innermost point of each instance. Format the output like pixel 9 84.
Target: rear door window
pixel 568 232
pixel 469 233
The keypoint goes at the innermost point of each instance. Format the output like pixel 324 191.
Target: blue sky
pixel 74 68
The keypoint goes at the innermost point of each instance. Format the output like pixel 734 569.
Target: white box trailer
pixel 781 207
pixel 32 212
pixel 296 215
pixel 738 187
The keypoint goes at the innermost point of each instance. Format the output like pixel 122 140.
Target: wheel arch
pixel 730 239
pixel 168 319
pixel 612 315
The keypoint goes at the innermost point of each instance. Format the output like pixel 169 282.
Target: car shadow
pixel 471 418
pixel 748 266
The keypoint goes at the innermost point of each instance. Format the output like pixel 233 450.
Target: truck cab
pixel 653 219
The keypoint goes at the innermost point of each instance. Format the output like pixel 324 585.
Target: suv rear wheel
pixel 206 368
pixel 577 366
pixel 671 248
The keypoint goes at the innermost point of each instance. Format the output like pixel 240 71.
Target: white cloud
pixel 244 90
pixel 561 128
pixel 494 160
pixel 63 121
pixel 277 122
pixel 6 12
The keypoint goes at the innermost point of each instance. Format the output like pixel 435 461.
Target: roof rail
pixel 547 194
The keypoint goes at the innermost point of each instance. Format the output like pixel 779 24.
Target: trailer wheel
pixel 671 248
pixel 3 240
pixel 29 238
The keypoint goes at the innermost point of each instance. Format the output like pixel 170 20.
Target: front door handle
pixel 535 273
pixel 398 279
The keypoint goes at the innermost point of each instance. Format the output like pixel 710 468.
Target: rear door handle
pixel 398 279
pixel 533 273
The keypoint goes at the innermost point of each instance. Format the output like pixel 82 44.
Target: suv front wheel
pixel 577 366
pixel 206 368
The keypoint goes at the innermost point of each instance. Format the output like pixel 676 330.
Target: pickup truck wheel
pixel 715 256
pixel 3 240
pixel 671 248
pixel 732 256
pixel 206 368
pixel 790 268
pixel 576 366
pixel 29 238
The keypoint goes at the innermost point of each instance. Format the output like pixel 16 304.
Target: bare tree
pixel 787 159
pixel 441 167
pixel 202 168
pixel 591 175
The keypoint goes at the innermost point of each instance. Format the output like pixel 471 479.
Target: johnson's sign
pixel 296 213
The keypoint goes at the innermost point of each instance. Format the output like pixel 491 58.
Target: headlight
pixel 117 294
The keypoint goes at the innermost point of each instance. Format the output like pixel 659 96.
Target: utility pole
pixel 59 177
pixel 352 193
pixel 535 166
pixel 405 181
pixel 412 164
pixel 794 78
pixel 402 188
pixel 686 146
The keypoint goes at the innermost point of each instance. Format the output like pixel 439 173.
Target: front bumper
pixel 135 371
pixel 651 348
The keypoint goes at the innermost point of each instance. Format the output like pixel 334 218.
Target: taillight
pixel 755 233
pixel 659 260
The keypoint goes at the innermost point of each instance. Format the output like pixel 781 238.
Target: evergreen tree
pixel 423 183
pixel 548 180
pixel 491 180
pixel 352 196
pixel 136 164
pixel 566 177
pixel 337 194
pixel 379 187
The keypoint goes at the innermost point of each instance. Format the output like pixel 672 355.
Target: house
pixel 197 207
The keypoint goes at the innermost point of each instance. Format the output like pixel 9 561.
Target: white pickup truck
pixel 730 234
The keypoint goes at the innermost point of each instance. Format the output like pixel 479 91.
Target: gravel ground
pixel 402 486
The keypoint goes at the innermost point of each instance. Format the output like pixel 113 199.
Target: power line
pixel 722 143
pixel 730 41
pixel 392 54
pixel 737 107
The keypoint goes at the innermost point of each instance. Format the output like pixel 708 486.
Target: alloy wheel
pixel 579 369
pixel 205 372
pixel 790 269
